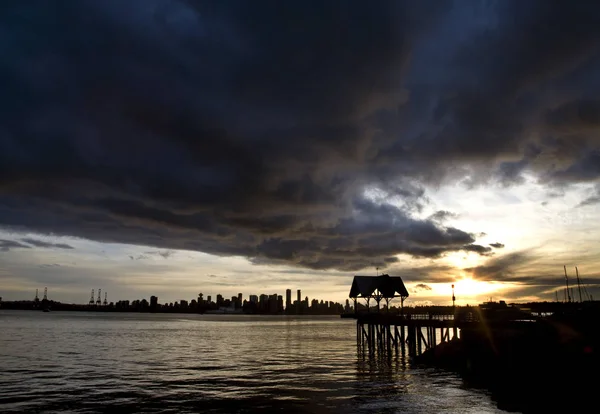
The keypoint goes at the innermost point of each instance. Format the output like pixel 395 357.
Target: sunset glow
pixel 470 288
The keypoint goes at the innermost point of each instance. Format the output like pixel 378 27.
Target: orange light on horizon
pixel 470 288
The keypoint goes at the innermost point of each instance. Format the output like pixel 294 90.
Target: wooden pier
pixel 385 334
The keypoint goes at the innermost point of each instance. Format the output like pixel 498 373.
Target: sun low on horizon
pixel 468 289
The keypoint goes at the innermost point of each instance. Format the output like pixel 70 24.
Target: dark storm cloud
pixel 487 94
pixel 593 199
pixel 41 243
pixel 497 245
pixel 422 286
pixel 590 201
pixel 442 215
pixel 477 248
pixel 6 245
pixel 279 131
pixel 433 273
pixel 507 268
pixel 164 254
pixel 139 257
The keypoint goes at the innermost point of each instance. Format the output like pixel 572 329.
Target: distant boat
pixel 46 310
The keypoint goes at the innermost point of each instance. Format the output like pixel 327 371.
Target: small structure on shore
pixel 384 287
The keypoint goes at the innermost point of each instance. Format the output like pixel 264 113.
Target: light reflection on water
pixel 99 362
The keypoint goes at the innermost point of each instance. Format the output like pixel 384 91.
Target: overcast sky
pixel 175 147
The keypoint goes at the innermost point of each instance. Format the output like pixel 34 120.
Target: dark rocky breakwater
pixel 540 365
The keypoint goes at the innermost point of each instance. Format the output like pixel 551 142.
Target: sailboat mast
pixel 578 285
pixel 567 279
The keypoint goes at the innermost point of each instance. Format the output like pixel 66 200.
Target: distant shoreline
pixel 19 306
pixel 538 308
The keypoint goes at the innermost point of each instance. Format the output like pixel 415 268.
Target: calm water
pixel 92 362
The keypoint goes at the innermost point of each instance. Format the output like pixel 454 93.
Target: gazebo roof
pixel 388 286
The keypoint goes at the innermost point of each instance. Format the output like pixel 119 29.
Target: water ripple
pixel 94 363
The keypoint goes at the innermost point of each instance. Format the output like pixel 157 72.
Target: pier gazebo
pixel 384 287
pixel 380 332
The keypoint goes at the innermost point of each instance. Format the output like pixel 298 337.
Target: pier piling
pixel 384 334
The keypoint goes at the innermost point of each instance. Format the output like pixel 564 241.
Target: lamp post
pixel 454 327
pixel 453 297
